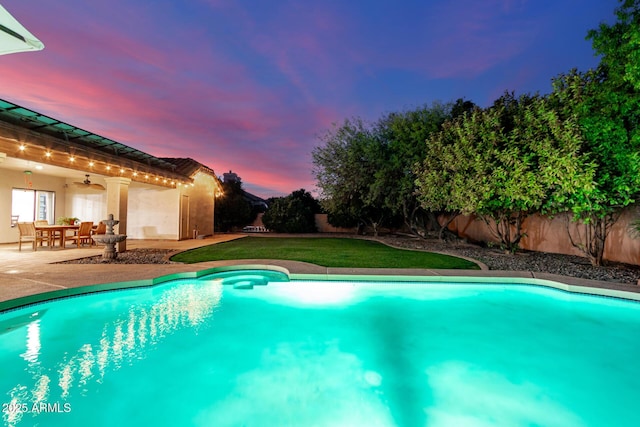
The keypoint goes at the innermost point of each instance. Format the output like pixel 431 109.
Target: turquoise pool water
pixel 197 352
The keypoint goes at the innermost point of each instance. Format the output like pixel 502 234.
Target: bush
pixel 294 213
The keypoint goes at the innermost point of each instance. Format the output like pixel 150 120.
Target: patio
pixel 28 273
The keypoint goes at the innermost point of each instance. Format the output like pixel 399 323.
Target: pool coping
pixel 341 274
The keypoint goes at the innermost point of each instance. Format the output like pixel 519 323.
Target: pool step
pixel 245 281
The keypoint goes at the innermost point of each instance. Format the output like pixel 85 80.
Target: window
pixel 30 205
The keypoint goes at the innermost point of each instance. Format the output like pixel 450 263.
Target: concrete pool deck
pixel 28 273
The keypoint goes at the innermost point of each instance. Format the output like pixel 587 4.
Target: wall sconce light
pixel 22 147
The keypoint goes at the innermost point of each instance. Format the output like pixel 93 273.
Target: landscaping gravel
pixel 132 256
pixel 494 259
pixel 540 262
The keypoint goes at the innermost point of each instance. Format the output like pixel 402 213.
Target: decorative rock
pixel 566 265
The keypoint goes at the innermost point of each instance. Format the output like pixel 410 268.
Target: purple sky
pixel 249 85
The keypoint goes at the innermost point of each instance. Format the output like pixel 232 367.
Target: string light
pixel 48 154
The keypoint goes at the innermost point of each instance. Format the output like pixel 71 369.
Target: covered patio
pixel 51 169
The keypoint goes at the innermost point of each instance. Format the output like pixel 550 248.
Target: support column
pixel 117 200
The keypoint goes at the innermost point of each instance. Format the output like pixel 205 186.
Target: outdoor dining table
pixel 56 230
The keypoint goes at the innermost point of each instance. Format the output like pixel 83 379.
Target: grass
pixel 327 252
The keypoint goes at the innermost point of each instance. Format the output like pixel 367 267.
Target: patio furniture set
pixel 38 233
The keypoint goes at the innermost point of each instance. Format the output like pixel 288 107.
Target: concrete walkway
pixel 28 273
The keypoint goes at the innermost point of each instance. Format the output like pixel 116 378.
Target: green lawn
pixel 327 252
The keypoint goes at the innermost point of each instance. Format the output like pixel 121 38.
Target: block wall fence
pixel 542 234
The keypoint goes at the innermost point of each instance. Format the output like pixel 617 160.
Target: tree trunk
pixel 501 225
pixel 592 241
pixel 445 226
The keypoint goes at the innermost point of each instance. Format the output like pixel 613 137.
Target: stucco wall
pixel 86 203
pixel 542 234
pixel 202 203
pixel 324 227
pixel 152 212
pixel 10 179
pixel 550 235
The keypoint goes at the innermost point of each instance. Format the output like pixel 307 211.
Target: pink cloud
pixel 249 86
pixel 462 39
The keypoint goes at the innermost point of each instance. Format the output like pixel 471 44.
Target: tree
pixel 294 213
pixel 608 119
pixel 619 45
pixel 461 107
pixel 448 167
pixel 606 103
pixel 232 209
pixel 403 136
pixel 345 168
pixel 502 164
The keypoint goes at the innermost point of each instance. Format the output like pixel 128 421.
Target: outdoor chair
pixel 100 229
pixel 49 235
pixel 28 233
pixel 83 234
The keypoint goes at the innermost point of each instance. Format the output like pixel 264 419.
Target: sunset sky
pixel 249 85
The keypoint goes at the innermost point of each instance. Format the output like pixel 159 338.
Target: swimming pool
pixel 226 350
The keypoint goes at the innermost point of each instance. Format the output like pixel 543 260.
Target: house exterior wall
pixel 202 203
pixel 10 179
pixel 153 212
pixel 86 204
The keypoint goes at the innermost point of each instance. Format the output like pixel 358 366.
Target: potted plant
pixel 67 220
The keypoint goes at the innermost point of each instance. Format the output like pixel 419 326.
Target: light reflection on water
pixel 123 340
pixel 369 354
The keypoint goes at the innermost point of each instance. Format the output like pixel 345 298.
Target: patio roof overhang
pixel 28 135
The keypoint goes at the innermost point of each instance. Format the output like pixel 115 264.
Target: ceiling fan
pixel 87 184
